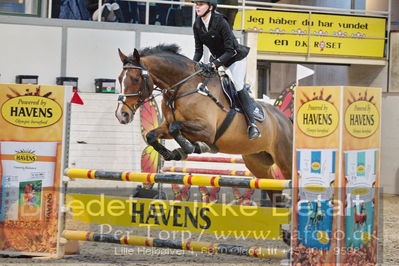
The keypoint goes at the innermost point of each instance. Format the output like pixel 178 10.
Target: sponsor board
pixel 300 32
pixel 31 135
pixel 336 172
pixel 195 217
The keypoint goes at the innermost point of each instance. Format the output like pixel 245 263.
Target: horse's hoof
pixel 179 154
pixel 202 147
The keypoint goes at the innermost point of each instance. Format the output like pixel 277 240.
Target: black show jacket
pixel 219 39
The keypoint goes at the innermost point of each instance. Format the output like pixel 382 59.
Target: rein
pixel 185 79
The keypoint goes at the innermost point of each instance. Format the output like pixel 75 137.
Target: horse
pixel 193 118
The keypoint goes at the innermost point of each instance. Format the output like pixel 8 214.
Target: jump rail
pixel 214 159
pixel 207 171
pixel 208 247
pixel 195 180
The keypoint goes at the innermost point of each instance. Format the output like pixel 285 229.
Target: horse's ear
pixel 122 56
pixel 136 55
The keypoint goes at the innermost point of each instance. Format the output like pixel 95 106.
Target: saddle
pixel 231 94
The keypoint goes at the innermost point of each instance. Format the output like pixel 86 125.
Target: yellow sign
pixel 329 34
pixel 317 118
pixel 25 157
pixel 195 217
pixel 31 111
pixel 361 119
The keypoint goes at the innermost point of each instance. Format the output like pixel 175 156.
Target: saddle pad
pixel 259 113
pixel 232 97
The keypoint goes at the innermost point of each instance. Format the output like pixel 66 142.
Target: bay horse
pixel 193 117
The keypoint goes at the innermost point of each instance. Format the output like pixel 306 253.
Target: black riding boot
pixel 248 106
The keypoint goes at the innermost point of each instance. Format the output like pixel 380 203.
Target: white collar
pixel 206 20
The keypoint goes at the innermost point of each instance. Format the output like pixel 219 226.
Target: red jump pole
pixel 206 171
pixel 214 159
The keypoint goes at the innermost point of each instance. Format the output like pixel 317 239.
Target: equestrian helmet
pixel 213 3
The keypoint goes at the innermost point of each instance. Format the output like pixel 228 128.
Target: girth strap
pixel 225 124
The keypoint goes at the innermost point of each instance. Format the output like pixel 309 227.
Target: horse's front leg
pixel 195 129
pixel 153 139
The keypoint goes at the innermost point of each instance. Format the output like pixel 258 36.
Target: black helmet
pixel 213 3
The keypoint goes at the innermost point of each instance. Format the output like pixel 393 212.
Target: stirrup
pixel 255 132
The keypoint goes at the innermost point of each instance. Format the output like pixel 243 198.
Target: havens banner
pixel 337 147
pixel 194 217
pixel 32 122
pixel 329 34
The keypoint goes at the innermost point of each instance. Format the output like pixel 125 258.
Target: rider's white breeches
pixel 237 72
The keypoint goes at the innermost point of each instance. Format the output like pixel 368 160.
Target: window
pixel 21 7
pixel 263 78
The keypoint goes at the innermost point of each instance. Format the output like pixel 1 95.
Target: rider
pixel 212 29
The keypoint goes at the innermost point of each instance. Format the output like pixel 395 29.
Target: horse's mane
pixel 161 48
pixel 169 52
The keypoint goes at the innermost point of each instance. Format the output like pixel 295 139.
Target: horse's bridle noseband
pixel 140 93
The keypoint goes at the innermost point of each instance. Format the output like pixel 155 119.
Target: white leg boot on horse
pixel 248 107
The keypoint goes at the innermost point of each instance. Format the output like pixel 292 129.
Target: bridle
pixel 170 100
pixel 140 93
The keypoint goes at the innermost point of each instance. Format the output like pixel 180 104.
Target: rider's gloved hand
pixel 210 67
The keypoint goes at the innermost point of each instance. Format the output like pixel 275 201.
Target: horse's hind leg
pixel 260 164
